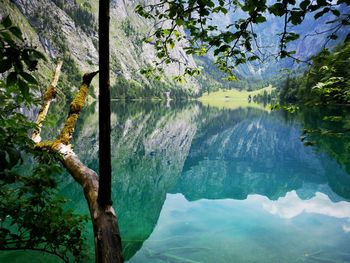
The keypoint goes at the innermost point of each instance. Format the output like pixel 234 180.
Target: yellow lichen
pixel 75 108
pixel 79 100
pixel 68 129
pixel 45 145
pixel 50 93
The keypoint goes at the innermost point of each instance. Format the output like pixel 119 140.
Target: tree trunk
pixel 104 193
pixel 107 237
pixel 106 232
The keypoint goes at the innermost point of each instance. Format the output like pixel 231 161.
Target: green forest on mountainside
pixel 325 82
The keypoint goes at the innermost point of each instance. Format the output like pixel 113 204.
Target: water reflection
pixel 229 230
pixel 187 173
pixel 292 205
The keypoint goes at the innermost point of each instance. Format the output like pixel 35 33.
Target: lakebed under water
pixel 193 183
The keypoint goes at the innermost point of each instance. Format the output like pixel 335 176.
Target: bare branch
pixel 49 95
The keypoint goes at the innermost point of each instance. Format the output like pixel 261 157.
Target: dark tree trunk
pixel 104 192
pixel 107 237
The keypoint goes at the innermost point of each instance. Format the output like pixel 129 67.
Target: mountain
pixel 257 74
pixel 68 29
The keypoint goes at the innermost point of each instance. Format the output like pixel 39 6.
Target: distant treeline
pixel 125 89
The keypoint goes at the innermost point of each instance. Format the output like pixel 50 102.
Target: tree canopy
pixel 326 82
pixel 235 42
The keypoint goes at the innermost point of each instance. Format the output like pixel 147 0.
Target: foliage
pixel 236 42
pixel 327 81
pixel 31 214
pixel 17 55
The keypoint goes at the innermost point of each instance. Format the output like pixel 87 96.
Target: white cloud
pixel 291 206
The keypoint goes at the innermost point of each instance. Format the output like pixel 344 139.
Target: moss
pixel 45 145
pixel 50 93
pixel 75 108
pixel 79 100
pixel 68 129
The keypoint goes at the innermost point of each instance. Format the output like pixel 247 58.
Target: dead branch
pixel 49 95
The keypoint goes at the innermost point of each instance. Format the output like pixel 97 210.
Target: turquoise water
pixel 199 184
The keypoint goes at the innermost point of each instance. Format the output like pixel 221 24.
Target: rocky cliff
pixel 68 29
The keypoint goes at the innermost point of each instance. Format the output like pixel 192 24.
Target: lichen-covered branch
pixel 75 108
pixel 106 233
pixel 49 95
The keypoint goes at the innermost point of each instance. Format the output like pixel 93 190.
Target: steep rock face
pixel 59 33
pixel 68 29
pixel 29 33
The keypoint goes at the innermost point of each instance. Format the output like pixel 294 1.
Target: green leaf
pixel 319 14
pixel 296 17
pixel 23 86
pixel 335 12
pixel 147 40
pixel 291 37
pixel 304 4
pixel 5 65
pixel 322 2
pixel 231 78
pixel 38 55
pixel 29 78
pixel 16 31
pixel 7 38
pixel 180 79
pixel 11 79
pixel 179 21
pixel 277 9
pixel 252 58
pixel 260 19
pixel 7 22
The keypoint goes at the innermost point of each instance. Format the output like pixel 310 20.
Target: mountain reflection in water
pixel 199 184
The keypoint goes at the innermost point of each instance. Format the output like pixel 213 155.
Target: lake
pixel 194 183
